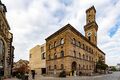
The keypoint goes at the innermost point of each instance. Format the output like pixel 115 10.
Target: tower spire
pixel 3 7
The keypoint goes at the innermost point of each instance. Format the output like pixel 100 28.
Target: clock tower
pixel 91 26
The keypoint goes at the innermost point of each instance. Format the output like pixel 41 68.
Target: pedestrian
pixel 33 74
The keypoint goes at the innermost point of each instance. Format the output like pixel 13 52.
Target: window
pixel 89 58
pixel 55 44
pixel 43 55
pixel 83 56
pixel 89 38
pixel 2 47
pixel 79 44
pixel 62 53
pixel 49 57
pixel 42 49
pixel 74 41
pixel 86 48
pixel 90 67
pixel 62 41
pixel 55 55
pixel 83 46
pixel 87 67
pixel 79 55
pixel 49 67
pixel 83 66
pixel 50 46
pixel 90 50
pixel 74 54
pixel 55 67
pixel 79 67
pixel 62 66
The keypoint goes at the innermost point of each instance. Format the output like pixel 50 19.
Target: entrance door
pixel 74 68
pixel 43 70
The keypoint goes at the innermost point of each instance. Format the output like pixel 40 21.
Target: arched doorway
pixel 74 68
pixel 2 54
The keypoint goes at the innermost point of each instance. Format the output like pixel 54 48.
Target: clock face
pixel 89 34
pixel 2 48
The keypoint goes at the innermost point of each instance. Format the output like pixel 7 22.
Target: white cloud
pixel 31 21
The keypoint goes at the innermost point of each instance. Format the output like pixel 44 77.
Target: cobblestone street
pixel 114 76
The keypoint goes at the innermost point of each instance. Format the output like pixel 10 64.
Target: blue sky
pixel 31 21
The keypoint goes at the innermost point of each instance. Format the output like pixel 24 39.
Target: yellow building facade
pixel 37 59
pixel 67 49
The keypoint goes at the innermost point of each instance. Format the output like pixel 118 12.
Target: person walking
pixel 33 74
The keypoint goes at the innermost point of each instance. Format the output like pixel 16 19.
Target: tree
pixel 113 69
pixel 100 65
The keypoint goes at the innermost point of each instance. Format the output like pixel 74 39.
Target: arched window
pixel 79 44
pixel 62 66
pixel 49 57
pixel 55 44
pixel 62 41
pixel 2 47
pixel 79 67
pixel 62 53
pixel 55 67
pixel 83 66
pixel 79 55
pixel 86 57
pixel 89 38
pixel 49 67
pixel 86 66
pixel 55 55
pixel 83 56
pixel 86 48
pixel 83 46
pixel 50 46
pixel 74 41
pixel 74 54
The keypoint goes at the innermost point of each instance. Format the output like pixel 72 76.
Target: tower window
pixel 89 38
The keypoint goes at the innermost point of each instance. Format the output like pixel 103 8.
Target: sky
pixel 32 21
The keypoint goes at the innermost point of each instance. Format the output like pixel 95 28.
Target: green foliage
pixel 113 69
pixel 101 65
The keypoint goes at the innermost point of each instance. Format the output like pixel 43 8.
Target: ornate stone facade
pixel 6 48
pixel 67 49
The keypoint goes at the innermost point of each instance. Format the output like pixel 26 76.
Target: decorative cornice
pixel 70 27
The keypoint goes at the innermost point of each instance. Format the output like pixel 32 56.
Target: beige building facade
pixel 6 48
pixel 37 59
pixel 67 49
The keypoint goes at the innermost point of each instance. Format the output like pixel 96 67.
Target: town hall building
pixel 69 50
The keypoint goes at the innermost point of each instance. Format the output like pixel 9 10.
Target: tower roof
pixel 92 7
pixel 5 9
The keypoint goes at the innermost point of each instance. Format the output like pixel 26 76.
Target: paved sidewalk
pixel 12 79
